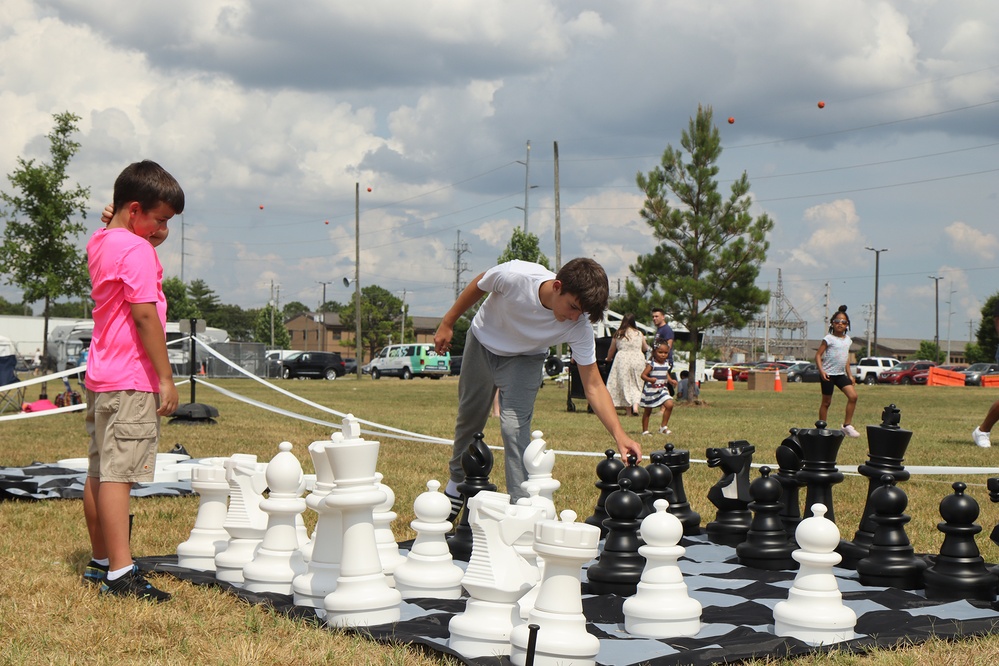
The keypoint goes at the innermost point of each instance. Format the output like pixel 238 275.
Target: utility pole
pixel 459 266
pixel 877 272
pixel 558 217
pixel 402 330
pixel 322 313
pixel 271 303
pixel 936 289
pixel 949 313
pixel 527 180
pixel 357 278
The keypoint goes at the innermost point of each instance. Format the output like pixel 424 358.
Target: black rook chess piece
pixel 731 494
pixel 819 448
pixel 678 462
pixel 890 560
pixel 477 462
pixel 620 567
pixel 959 572
pixel 607 471
pixel 886 451
pixel 766 545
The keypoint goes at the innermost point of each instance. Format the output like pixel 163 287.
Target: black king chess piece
pixel 477 462
pixel 678 462
pixel 886 450
pixel 958 571
pixel 731 494
pixel 766 546
pixel 789 458
pixel 819 447
pixel 607 471
pixel 890 560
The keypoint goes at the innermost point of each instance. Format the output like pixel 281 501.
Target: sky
pixel 277 118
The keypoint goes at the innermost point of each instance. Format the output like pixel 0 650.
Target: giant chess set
pixel 638 581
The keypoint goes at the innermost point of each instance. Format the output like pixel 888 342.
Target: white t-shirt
pixel 513 322
pixel 837 354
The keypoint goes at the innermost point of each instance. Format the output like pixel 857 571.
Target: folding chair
pixel 10 399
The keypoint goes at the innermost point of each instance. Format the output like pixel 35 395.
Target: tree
pixel 8 308
pixel 179 306
pixel 71 309
pixel 40 253
pixel 204 300
pixel 379 318
pixel 986 335
pixel 524 246
pixel 262 328
pixel 292 309
pixel 703 271
pixel 930 351
pixel 239 323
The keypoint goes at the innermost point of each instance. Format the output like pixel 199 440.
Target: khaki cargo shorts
pixel 124 434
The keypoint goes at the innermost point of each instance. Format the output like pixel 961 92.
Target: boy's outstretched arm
pixel 153 340
pixel 469 296
pixel 603 406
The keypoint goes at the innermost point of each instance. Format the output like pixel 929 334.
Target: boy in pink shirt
pixel 129 378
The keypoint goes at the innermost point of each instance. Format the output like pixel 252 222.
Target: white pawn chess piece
pixel 428 570
pixel 382 517
pixel 661 608
pixel 278 559
pixel 208 538
pixel 539 462
pixel 814 610
pixel 323 566
pixel 362 596
pixel 496 577
pixel 564 546
pixel 245 522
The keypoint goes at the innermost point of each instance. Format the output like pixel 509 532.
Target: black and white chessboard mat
pixel 737 618
pixel 40 481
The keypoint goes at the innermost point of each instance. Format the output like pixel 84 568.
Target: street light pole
pixel 936 289
pixel 877 273
pixel 322 313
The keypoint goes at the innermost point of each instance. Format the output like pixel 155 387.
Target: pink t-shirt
pixel 124 269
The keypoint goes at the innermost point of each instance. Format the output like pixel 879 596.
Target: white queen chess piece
pixel 429 570
pixel 208 538
pixel 323 561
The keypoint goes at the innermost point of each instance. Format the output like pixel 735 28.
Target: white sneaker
pixel 981 438
pixel 850 431
pixel 646 433
pixel 665 431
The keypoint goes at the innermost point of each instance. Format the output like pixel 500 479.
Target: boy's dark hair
pixel 586 280
pixel 148 184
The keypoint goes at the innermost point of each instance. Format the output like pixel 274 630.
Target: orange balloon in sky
pixel 327 221
pixel 261 206
pixel 731 120
pixel 369 189
pixel 822 105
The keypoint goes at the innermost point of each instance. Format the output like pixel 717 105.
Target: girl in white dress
pixel 627 351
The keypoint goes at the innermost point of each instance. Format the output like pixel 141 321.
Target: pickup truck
pixel 868 368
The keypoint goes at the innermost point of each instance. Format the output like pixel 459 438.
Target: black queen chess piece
pixel 678 461
pixel 477 463
pixel 887 443
pixel 620 566
pixel 819 448
pixel 766 546
pixel 607 471
pixel 890 559
pixel 958 571
pixel 789 457
pixel 730 494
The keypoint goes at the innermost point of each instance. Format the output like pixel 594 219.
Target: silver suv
pixel 869 367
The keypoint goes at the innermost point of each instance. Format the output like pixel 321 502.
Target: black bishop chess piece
pixel 607 471
pixel 620 566
pixel 477 462
pixel 958 571
pixel 678 461
pixel 819 448
pixel 887 443
pixel 767 545
pixel 789 459
pixel 890 559
pixel 639 478
pixel 660 477
pixel 731 494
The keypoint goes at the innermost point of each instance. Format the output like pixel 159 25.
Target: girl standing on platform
pixel 655 392
pixel 833 358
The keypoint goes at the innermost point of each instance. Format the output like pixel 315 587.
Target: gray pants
pixel 517 378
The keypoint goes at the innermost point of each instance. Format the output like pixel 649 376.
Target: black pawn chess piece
pixel 607 471
pixel 477 462
pixel 958 571
pixel 620 566
pixel 789 459
pixel 890 561
pixel 659 479
pixel 731 494
pixel 766 546
pixel 639 478
pixel 678 462
pixel 819 447
pixel 886 451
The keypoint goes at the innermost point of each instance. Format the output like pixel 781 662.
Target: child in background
pixel 656 393
pixel 832 359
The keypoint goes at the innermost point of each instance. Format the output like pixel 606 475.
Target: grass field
pixel 47 617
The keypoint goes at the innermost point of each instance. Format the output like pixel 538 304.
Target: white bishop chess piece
pixel 429 570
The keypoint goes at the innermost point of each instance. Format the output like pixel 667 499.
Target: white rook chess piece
pixel 279 558
pixel 382 517
pixel 429 570
pixel 208 538
pixel 245 522
pixel 539 462
pixel 362 596
pixel 661 607
pixel 814 610
pixel 310 589
pixel 564 546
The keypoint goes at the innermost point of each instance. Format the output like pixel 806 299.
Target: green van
pixel 408 361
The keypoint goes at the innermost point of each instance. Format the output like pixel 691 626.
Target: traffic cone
pixel 729 384
pixel 777 387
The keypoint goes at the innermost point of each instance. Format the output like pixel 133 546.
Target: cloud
pixel 835 233
pixel 965 238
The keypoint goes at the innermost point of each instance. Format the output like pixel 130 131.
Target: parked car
pixel 904 371
pixel 923 376
pixel 803 372
pixel 408 361
pixel 867 369
pixel 326 365
pixel 720 372
pixel 973 373
pixel 456 365
pixel 350 366
pixel 763 366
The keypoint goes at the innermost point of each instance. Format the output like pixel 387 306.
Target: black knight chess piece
pixel 789 458
pixel 959 572
pixel 620 566
pixel 678 461
pixel 767 545
pixel 607 471
pixel 477 463
pixel 890 560
pixel 886 451
pixel 731 494
pixel 819 448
